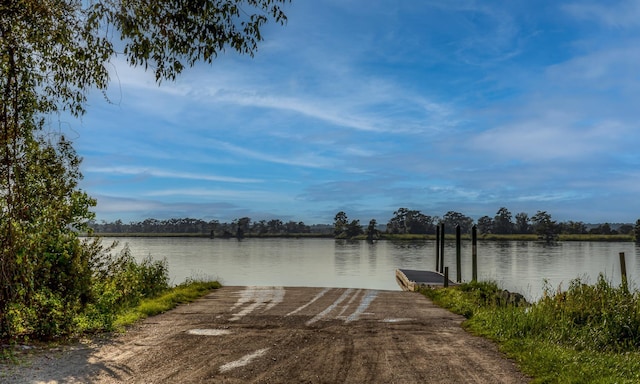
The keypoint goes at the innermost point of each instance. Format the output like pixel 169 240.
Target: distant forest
pixel 241 226
pixel 404 221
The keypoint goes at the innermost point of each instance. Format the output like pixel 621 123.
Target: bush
pixel 597 317
pixel 117 282
pixel 120 283
pixel 467 299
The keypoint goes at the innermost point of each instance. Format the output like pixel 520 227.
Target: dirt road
pixel 284 335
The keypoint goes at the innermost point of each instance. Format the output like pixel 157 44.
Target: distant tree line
pixel 404 221
pixel 237 228
pixel 407 221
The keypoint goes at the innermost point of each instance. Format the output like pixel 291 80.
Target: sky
pixel 366 106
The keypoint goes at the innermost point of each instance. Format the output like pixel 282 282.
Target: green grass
pixel 181 294
pixel 587 334
pixel 593 237
pixel 512 237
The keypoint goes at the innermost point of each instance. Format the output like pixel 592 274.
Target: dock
pixel 411 279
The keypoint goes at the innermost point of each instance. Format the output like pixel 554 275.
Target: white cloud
pixel 625 13
pixel 221 194
pixel 153 172
pixel 555 136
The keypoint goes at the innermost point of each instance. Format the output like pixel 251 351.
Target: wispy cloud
pixel 457 105
pixel 220 194
pixel 547 139
pixel 619 13
pixel 151 172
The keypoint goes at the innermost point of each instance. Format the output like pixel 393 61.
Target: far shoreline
pixel 392 237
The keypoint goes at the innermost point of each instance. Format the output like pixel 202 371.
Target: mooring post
pixel 441 247
pixel 474 253
pixel 438 248
pixel 446 277
pixel 623 272
pixel 458 256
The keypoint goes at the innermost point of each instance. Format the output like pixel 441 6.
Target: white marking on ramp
pixel 319 295
pixel 364 304
pixel 267 297
pixel 244 360
pixel 330 308
pixel 209 332
pixel 346 306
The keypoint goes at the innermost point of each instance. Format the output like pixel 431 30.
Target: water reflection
pixel 372 257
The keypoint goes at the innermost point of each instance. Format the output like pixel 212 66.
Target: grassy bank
pixel 171 298
pixel 161 301
pixel 589 333
pixel 512 237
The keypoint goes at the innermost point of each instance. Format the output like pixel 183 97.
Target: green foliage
pixel 452 219
pixel 502 221
pixel 45 265
pixel 120 283
pixel 550 363
pixel 340 223
pixel 170 35
pixel 544 227
pixel 407 221
pixel 596 317
pixel 591 237
pixel 343 229
pixel 52 53
pixel 183 293
pixel 372 232
pixel 467 298
pixel 588 333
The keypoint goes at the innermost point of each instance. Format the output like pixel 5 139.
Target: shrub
pixel 598 317
pixel 119 283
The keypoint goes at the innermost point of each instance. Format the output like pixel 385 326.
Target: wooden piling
pixel 458 255
pixel 474 253
pixel 623 272
pixel 446 277
pixel 441 247
pixel 438 248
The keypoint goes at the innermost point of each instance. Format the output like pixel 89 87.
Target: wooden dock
pixel 411 280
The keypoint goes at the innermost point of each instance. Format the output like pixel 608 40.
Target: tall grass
pixel 588 333
pixel 186 292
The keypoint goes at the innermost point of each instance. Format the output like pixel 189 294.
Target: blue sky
pixel 368 106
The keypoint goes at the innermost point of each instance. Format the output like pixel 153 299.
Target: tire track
pixel 330 308
pixel 244 360
pixel 367 299
pixel 315 298
pixel 258 297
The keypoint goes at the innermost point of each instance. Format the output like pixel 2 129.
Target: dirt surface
pixel 282 335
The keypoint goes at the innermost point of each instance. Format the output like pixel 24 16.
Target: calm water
pixel 516 266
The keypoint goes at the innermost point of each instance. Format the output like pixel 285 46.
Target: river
pixel 521 266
